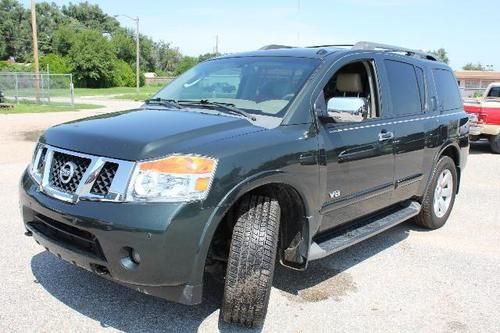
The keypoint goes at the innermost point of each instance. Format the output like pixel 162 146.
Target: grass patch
pixel 26 107
pixel 146 90
pixel 127 92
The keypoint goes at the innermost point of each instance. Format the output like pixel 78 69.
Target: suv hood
pixel 145 133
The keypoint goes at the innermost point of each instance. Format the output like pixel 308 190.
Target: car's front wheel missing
pixel 440 195
pixel 251 261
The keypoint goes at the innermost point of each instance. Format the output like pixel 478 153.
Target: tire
pixel 495 143
pixel 251 261
pixel 431 217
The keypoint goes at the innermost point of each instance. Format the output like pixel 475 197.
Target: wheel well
pixel 292 245
pixel 453 153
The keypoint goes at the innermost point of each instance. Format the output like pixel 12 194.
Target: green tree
pixel 90 16
pixel 207 56
pixel 64 38
pixel 147 54
pixel 185 64
pixel 15 30
pixel 166 58
pixel 474 67
pixel 123 75
pixel 441 54
pixel 124 46
pixel 56 63
pixel 49 18
pixel 92 60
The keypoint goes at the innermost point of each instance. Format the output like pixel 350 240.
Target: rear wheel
pixel 440 195
pixel 251 261
pixel 495 143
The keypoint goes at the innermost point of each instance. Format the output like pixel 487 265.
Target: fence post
pixel 17 89
pixel 71 90
pixel 48 83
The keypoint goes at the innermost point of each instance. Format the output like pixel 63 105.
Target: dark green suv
pixel 286 154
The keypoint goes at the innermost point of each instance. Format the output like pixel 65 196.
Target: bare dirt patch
pixel 31 136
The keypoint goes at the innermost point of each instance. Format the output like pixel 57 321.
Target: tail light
pixel 482 117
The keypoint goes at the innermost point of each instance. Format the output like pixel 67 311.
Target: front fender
pixel 238 191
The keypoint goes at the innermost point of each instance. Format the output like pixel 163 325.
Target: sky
pixel 463 28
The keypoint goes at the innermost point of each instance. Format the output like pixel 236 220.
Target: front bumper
pixel 98 236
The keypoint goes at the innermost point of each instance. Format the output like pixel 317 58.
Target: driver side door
pixel 359 173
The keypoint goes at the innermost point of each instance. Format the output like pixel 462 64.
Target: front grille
pixel 68 236
pixel 59 160
pixel 104 179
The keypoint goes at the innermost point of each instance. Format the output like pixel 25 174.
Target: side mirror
pixel 347 109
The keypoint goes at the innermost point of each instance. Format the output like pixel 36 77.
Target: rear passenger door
pixel 408 98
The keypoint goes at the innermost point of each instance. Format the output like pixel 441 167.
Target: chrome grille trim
pixel 117 189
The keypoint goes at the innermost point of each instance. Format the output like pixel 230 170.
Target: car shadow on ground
pixel 480 147
pixel 327 278
pixel 127 310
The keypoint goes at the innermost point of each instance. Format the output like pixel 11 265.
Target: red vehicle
pixel 485 117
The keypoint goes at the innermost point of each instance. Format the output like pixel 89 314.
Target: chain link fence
pixel 48 88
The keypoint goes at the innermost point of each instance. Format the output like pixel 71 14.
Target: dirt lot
pixel 405 279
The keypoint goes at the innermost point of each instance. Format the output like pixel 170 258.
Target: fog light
pixel 130 258
pixel 134 255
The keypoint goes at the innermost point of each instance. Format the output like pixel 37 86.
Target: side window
pixel 421 86
pixel 405 92
pixel 447 89
pixel 352 87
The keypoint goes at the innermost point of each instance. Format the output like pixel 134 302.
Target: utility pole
pixel 35 50
pixel 137 50
pixel 216 44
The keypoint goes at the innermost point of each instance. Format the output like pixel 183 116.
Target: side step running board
pixel 367 229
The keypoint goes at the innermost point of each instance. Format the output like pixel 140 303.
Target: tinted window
pixel 447 89
pixel 405 94
pixel 494 92
pixel 258 85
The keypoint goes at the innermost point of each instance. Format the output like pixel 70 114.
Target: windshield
pixel 257 85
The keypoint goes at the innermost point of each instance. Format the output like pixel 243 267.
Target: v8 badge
pixel 334 194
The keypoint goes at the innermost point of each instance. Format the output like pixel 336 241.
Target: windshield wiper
pixel 228 107
pixel 164 102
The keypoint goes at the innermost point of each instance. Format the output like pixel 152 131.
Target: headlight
pixel 38 162
pixel 172 179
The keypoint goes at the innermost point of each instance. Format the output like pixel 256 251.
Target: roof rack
pixel 276 46
pixel 392 48
pixel 365 46
pixel 382 47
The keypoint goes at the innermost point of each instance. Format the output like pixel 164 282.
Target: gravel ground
pixel 406 279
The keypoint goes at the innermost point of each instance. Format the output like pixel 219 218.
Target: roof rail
pixel 276 46
pixel 330 45
pixel 383 47
pixel 392 48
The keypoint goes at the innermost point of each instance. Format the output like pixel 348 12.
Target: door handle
pixel 385 136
